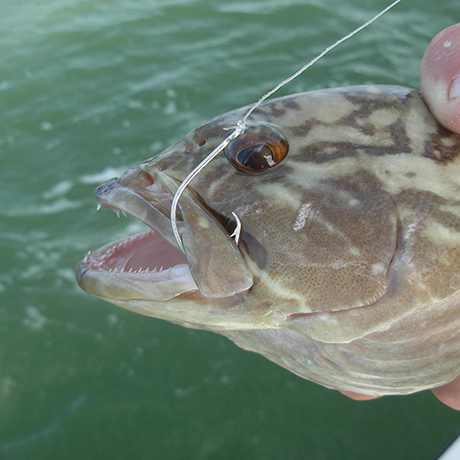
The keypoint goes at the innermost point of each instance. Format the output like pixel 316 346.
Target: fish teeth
pixel 138 271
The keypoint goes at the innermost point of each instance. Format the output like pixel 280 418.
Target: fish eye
pixel 259 148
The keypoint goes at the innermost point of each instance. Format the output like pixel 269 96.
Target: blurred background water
pixel 91 87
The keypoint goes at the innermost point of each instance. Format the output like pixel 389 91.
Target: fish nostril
pixel 137 177
pixel 144 179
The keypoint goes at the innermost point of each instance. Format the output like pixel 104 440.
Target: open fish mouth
pixel 143 266
pixel 150 265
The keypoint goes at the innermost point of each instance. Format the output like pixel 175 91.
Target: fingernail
pixel 454 88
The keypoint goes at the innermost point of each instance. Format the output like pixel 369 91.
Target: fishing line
pixel 241 124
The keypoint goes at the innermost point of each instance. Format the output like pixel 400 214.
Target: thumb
pixel 440 77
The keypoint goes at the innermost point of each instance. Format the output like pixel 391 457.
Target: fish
pixel 325 237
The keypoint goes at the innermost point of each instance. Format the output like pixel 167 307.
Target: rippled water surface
pixel 89 88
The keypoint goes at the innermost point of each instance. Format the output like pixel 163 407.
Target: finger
pixel 440 77
pixel 358 396
pixel 449 394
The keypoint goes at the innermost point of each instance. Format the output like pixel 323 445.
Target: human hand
pixel 440 87
pixel 449 394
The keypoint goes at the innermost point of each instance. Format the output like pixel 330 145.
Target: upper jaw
pixel 143 196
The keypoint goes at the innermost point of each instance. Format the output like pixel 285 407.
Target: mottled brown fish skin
pixel 353 240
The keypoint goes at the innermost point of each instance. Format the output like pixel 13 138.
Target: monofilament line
pixel 241 124
pixel 313 61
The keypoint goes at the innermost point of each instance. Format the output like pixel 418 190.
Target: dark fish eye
pixel 259 148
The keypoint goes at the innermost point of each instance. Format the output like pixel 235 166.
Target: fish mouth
pixel 150 265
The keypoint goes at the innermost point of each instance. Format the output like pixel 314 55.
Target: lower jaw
pixel 140 267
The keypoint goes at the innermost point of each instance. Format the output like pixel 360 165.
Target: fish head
pixel 308 233
pixel 207 283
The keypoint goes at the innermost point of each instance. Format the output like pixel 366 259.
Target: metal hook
pixel 237 232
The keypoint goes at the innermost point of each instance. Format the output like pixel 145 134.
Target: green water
pixel 89 88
